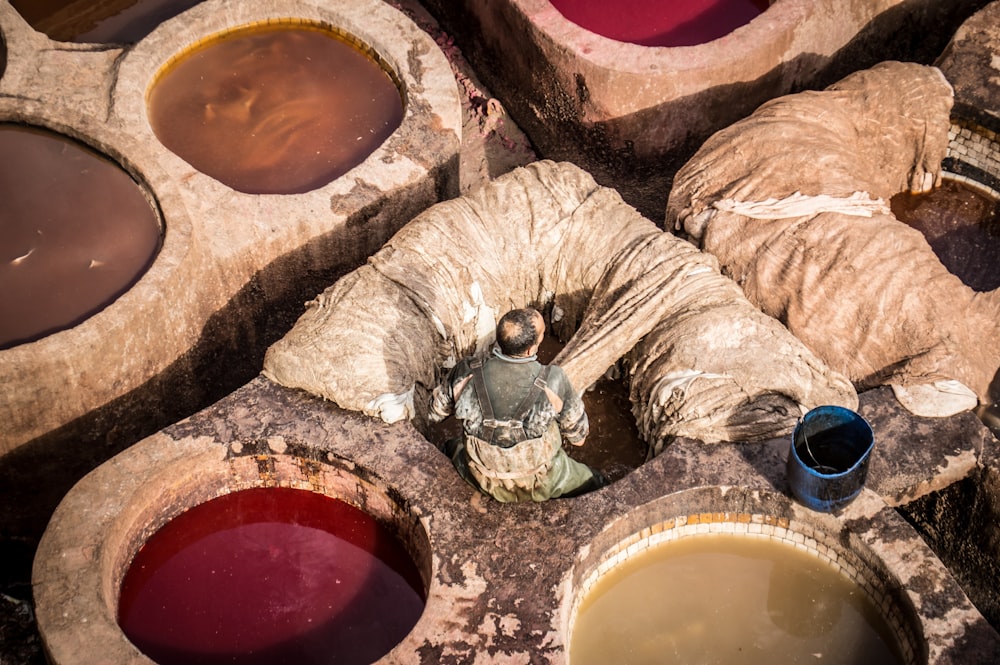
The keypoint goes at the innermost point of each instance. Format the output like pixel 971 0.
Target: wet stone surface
pixel 490 570
pixel 498 567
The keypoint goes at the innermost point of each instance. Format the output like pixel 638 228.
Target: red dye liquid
pixel 75 233
pixel 661 22
pixel 277 110
pixel 270 576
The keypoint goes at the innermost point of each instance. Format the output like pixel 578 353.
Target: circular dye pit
pixel 653 23
pixel 962 224
pixel 267 576
pixel 279 109
pixel 726 598
pixel 76 231
pixel 107 22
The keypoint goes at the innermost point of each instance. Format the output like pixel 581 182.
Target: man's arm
pixel 445 393
pixel 572 418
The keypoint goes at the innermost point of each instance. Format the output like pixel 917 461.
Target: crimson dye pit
pixel 270 576
pixel 654 23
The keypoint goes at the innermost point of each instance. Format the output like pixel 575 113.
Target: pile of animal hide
pixel 703 362
pixel 793 203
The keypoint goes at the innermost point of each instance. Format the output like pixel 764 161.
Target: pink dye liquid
pixel 659 22
pixel 270 576
pixel 75 233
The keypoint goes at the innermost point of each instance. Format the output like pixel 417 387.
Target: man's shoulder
pixel 464 367
pixel 555 371
pixel 557 379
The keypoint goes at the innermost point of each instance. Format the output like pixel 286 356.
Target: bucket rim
pixel 862 457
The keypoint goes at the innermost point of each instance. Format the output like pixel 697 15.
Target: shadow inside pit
pixel 961 524
pixel 614 445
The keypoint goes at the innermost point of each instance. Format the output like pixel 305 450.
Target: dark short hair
pixel 516 331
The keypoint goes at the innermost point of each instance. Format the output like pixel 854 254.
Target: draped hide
pixel 793 203
pixel 702 361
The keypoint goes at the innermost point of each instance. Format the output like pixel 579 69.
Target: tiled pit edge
pixel 974 156
pixel 868 542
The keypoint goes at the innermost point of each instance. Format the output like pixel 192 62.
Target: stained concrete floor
pixel 492 145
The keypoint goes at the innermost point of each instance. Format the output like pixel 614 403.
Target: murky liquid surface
pixel 270 576
pixel 278 110
pixel 657 23
pixel 962 226
pixel 75 233
pixel 613 445
pixel 723 599
pixel 106 22
pixel 827 454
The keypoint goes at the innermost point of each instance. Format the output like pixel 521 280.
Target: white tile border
pixel 802 537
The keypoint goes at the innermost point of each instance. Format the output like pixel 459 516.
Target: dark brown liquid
pixel 720 599
pixel 962 226
pixel 267 577
pixel 614 445
pixel 75 233
pixel 278 110
pixel 108 21
pixel 829 452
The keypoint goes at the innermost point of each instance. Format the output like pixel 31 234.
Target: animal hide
pixel 703 361
pixel 792 201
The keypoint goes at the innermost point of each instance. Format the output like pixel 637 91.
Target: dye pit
pixel 683 23
pixel 278 110
pixel 506 533
pixel 270 576
pixel 77 231
pixel 962 225
pixel 104 23
pixel 725 598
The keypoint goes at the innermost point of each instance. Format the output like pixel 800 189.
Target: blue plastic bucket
pixel 828 458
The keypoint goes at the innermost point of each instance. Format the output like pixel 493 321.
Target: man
pixel 516 414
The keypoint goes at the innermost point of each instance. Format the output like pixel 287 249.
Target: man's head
pixel 520 331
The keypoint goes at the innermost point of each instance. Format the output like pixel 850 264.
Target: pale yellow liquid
pixel 729 599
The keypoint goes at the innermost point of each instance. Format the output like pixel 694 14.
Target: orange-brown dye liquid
pixel 278 110
pixel 75 233
pixel 962 226
pixel 724 599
